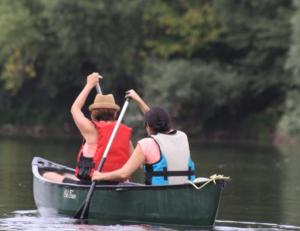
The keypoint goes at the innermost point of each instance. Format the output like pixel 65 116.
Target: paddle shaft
pixel 83 214
pixel 98 88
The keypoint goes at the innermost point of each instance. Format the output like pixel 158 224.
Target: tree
pixel 179 28
pixel 20 43
pixel 50 46
pixel 243 63
pixel 289 123
pixel 218 63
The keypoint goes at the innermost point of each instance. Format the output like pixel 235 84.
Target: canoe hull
pixel 175 205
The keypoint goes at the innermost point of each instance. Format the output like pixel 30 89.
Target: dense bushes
pixel 218 66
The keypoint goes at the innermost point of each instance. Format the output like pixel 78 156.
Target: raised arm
pixel 84 124
pixel 140 102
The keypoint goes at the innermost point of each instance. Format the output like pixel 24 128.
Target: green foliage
pixel 179 28
pixel 191 90
pixel 255 39
pixel 216 65
pixel 235 89
pixel 93 36
pixel 293 62
pixel 19 44
pixel 289 123
pixel 59 43
pixel 210 98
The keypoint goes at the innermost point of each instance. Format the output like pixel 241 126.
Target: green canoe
pixel 128 202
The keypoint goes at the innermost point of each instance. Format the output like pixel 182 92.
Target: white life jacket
pixel 175 165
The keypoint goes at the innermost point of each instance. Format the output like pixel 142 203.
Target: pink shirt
pixel 150 149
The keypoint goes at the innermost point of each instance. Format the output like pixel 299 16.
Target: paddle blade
pixel 83 212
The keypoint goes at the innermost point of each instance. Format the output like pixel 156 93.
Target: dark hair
pixel 105 114
pixel 158 119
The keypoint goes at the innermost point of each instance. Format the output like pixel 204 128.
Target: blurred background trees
pixel 225 69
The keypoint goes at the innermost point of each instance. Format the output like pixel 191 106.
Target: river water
pixel 264 193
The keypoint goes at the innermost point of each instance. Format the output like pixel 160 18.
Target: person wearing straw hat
pixel 96 132
pixel 165 153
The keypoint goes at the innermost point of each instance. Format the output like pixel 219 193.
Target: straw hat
pixel 104 101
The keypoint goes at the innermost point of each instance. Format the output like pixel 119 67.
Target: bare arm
pixel 135 161
pixel 131 148
pixel 84 125
pixel 140 102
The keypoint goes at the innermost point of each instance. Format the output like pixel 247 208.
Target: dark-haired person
pixel 165 154
pixel 96 133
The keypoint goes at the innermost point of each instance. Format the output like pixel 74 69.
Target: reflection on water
pixel 241 226
pixel 264 193
pixel 264 186
pixel 30 220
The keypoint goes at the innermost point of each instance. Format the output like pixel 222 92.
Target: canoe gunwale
pixel 39 163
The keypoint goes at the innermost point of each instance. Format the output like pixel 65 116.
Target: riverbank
pixel 11 130
pixel 68 130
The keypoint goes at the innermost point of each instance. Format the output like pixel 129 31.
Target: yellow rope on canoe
pixel 212 178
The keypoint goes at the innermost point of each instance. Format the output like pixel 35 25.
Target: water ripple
pixel 31 220
pixel 222 225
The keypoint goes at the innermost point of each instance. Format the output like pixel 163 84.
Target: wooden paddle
pixel 83 212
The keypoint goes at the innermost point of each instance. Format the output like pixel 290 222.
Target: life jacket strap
pixel 166 174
